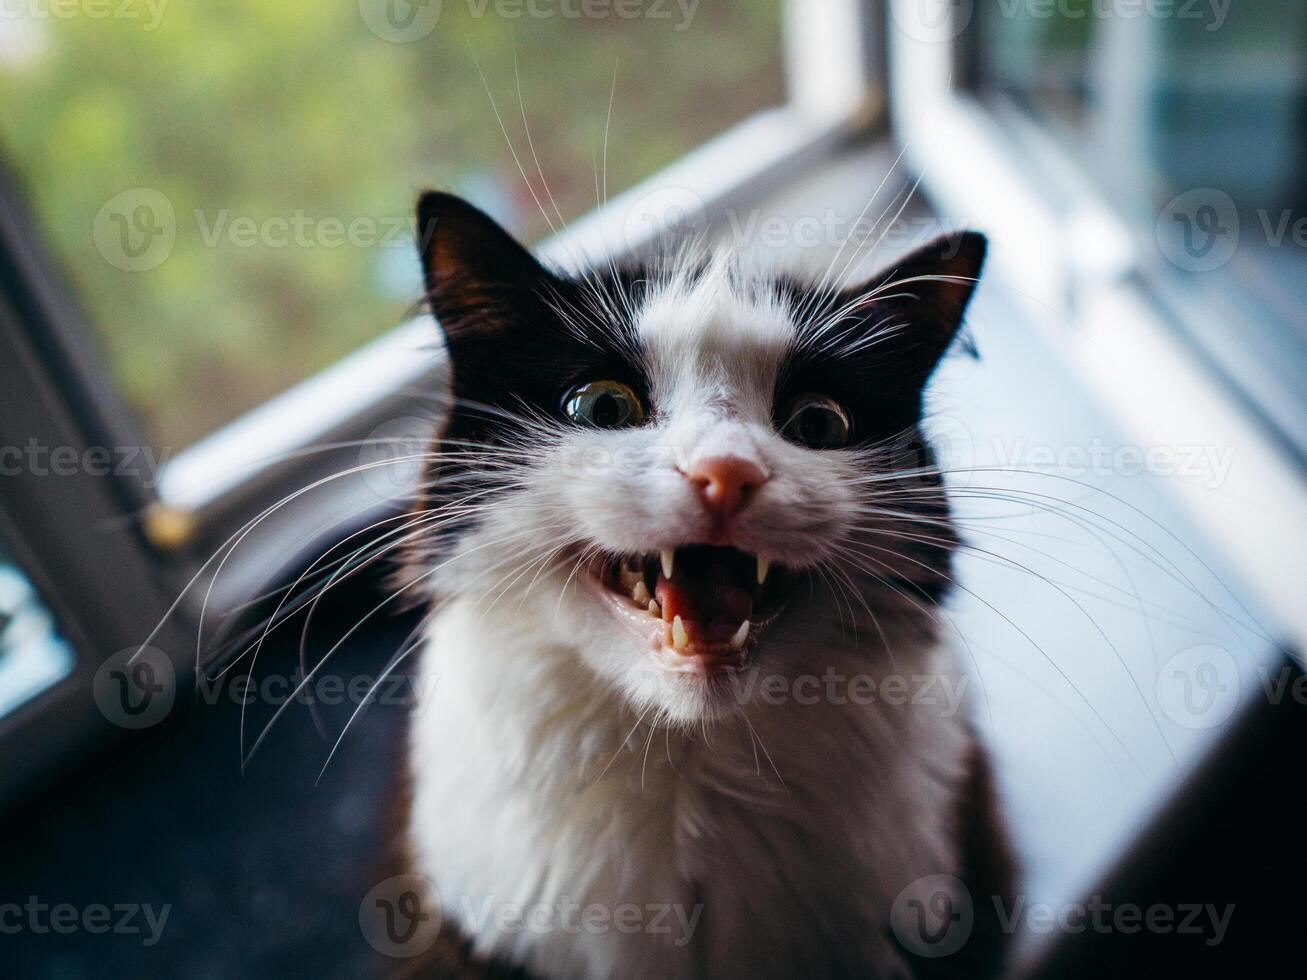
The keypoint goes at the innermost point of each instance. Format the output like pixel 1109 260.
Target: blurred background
pixel 264 112
pixel 209 320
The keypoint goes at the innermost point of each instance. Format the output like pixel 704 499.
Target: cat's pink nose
pixel 725 483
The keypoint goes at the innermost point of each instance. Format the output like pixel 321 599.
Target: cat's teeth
pixel 764 565
pixel 741 634
pixel 629 576
pixel 668 557
pixel 640 594
pixel 680 638
pixel 655 610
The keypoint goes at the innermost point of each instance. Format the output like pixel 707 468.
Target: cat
pixel 685 549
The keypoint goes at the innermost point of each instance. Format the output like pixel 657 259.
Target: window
pixel 246 219
pixel 1076 133
pixel 33 653
pixel 1194 126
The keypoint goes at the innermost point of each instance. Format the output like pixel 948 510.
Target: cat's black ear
pixel 478 277
pixel 920 301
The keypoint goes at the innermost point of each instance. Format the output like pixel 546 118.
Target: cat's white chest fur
pixel 563 836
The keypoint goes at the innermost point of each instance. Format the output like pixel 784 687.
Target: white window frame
pixel 1080 275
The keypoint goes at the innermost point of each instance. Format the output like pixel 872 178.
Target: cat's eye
pixel 815 421
pixel 603 405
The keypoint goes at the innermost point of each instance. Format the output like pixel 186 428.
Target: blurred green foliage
pixel 243 112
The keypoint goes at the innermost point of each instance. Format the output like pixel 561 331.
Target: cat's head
pixel 685 473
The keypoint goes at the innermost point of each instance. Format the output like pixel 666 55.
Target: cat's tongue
pixel 710 590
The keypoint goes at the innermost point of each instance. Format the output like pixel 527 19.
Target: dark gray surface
pixel 263 873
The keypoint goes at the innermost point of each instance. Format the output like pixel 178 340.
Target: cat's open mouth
pixel 701 605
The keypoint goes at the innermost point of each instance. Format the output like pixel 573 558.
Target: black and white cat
pixel 685 536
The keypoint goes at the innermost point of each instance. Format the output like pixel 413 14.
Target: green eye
pixel 815 421
pixel 603 405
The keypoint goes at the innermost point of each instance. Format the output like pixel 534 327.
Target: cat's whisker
pixel 509 140
pixel 413 643
pixel 621 747
pixel 425 524
pixel 309 676
pixel 1143 548
pixel 526 128
pixel 1029 639
pixel 762 745
pixel 232 544
pixel 825 277
pixel 912 518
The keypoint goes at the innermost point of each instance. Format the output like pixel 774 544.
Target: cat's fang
pixel 655 610
pixel 741 634
pixel 680 638
pixel 640 593
pixel 668 558
pixel 764 564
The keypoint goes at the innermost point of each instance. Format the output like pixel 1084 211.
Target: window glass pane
pixel 229 183
pixel 1040 61
pixel 32 653
pixel 1192 120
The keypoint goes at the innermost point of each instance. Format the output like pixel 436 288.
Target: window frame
pixel 1242 362
pixel 68 532
pixel 1082 275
